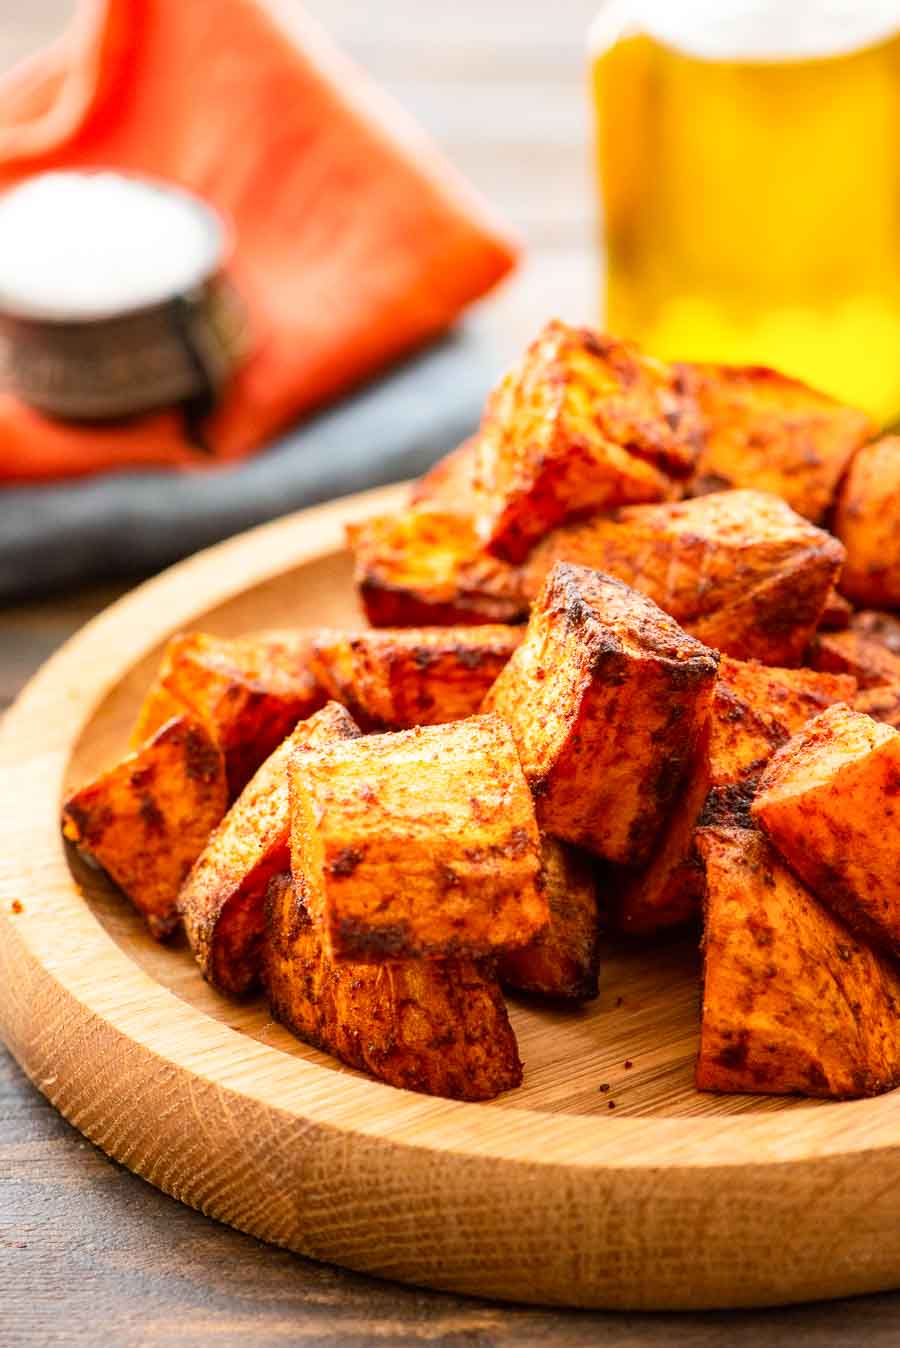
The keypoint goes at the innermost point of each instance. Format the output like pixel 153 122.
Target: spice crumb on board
pixel 611 1104
pixel 604 1086
pixel 619 1001
pixel 627 1063
pixel 17 906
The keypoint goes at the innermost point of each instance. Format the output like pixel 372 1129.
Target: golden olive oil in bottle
pixel 749 166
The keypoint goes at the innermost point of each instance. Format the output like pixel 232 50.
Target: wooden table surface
pixel 91 1255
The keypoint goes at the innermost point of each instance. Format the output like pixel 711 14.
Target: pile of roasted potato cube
pixel 633 663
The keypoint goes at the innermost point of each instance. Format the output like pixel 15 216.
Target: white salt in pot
pixel 114 297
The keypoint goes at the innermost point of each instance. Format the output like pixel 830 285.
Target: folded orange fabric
pixel 355 241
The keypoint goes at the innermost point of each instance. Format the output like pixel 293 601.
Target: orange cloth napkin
pixel 354 241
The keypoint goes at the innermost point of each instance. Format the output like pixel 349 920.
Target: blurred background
pixel 748 169
pixel 504 95
pixel 503 92
pixel 502 89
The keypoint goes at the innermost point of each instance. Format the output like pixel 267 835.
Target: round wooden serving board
pixel 670 1199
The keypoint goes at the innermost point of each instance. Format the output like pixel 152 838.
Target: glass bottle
pixel 749 167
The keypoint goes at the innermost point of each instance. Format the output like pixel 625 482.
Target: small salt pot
pixel 114 300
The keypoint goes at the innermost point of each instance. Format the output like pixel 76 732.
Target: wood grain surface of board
pixel 671 1199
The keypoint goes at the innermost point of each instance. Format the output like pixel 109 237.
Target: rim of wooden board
pixel 633 1213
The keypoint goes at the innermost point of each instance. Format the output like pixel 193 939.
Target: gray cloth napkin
pixel 68 533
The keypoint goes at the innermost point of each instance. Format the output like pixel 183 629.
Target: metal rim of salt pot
pixel 124 361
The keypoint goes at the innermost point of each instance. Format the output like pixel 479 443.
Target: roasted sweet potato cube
pixel 605 697
pixel 837 612
pixel 424 567
pixel 738 739
pixel 222 900
pixel 883 627
pixel 396 678
pixel 793 1002
pixel 739 570
pixel 867 521
pixel 830 803
pixel 773 433
pixel 562 962
pixel 436 1026
pixel 146 820
pixel 787 698
pixel 250 691
pixel 882 703
pixel 583 423
pixel 668 890
pixel 450 483
pixel 418 843
pixel 771 624
pixel 755 710
pixel 865 657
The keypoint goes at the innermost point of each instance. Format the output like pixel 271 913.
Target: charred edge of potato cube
pixel 425 567
pixel 767 431
pixel 883 627
pixel 146 820
pixel 866 521
pixel 402 677
pixel 792 1002
pixel 605 697
pixel 729 805
pixel 435 1026
pixel 390 606
pixel 249 690
pixel 583 422
pixel 829 802
pixel 562 963
pixel 868 659
pixel 418 843
pixel 221 901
